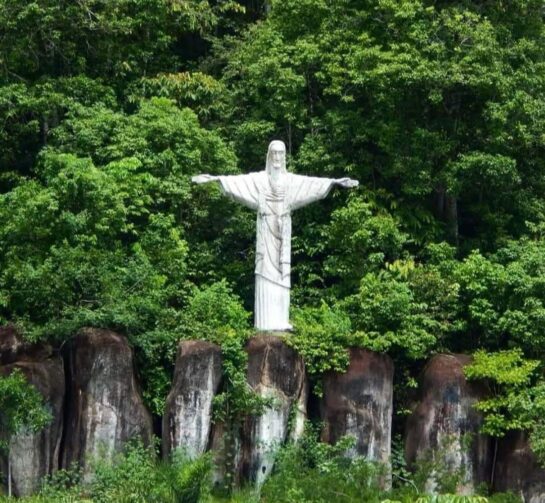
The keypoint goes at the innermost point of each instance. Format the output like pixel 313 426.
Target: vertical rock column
pixel 444 428
pixel 188 414
pixel 277 372
pixel 34 455
pixel 104 407
pixel 359 403
pixel 517 469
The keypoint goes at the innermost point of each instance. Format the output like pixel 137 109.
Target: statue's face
pixel 278 157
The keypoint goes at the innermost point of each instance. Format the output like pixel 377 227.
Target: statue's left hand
pixel 347 183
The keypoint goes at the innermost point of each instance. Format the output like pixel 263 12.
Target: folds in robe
pixel 274 202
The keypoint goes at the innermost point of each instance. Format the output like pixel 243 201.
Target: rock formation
pixel 444 428
pixel 277 372
pixel 34 455
pixel 104 406
pixel 14 348
pixel 103 409
pixel 359 403
pixel 517 469
pixel 188 414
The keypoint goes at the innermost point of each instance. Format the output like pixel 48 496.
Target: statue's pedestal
pixel 276 372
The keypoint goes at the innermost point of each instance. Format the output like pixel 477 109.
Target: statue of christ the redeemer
pixel 274 194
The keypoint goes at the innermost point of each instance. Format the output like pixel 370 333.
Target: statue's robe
pixel 274 203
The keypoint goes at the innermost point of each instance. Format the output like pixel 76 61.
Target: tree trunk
pixel 451 214
pixel 446 209
pixel 9 477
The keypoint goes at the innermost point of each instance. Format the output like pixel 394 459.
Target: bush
pixel 311 471
pixel 135 476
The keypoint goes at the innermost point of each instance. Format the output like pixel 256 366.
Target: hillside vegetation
pixel 109 107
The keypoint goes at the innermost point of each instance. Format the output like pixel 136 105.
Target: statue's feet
pixel 288 327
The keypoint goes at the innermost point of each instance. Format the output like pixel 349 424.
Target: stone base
pixel 359 403
pixel 104 407
pixel 445 420
pixel 187 420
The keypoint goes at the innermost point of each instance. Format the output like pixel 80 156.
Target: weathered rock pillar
pixel 34 455
pixel 188 414
pixel 444 428
pixel 359 403
pixel 104 406
pixel 275 371
pixel 517 469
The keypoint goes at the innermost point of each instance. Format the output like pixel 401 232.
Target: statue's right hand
pixel 347 183
pixel 203 178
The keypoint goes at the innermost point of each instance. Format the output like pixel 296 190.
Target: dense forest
pixel 437 108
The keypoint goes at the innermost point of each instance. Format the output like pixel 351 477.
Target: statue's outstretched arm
pixel 347 183
pixel 204 178
pixel 241 188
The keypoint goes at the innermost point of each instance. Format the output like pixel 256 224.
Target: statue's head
pixel 276 158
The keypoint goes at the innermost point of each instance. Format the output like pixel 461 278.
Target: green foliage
pixel 215 314
pixel 237 399
pixel 315 472
pixel 196 90
pixel 30 111
pixel 451 498
pixel 504 498
pixel 408 307
pixel 518 395
pixel 439 105
pixel 211 311
pixel 503 296
pixel 134 476
pixel 321 337
pixel 362 237
pixel 309 472
pixel 438 109
pixel 22 408
pixel 517 401
pixel 97 238
pixel 401 475
pixel 105 241
pixel 63 485
pixel 507 368
pixel 116 39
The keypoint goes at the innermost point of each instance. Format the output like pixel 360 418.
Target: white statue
pixel 274 194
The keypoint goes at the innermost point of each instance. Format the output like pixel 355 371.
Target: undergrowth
pixel 306 472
